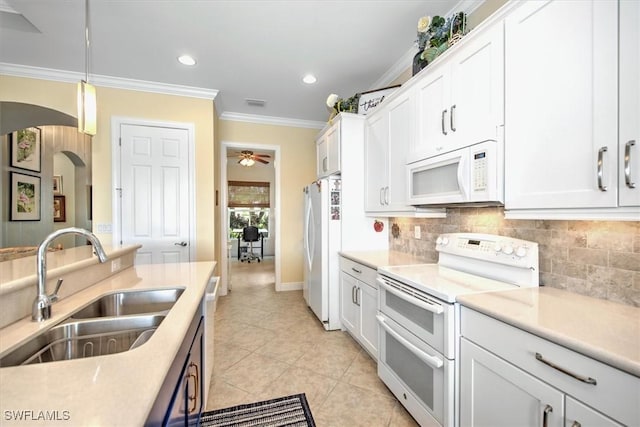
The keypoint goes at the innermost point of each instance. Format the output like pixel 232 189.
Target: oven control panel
pixel 461 248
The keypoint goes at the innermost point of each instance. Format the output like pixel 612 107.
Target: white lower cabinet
pixel 510 377
pixel 359 304
pixel 496 393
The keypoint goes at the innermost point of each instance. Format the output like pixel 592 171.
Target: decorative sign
pixel 370 100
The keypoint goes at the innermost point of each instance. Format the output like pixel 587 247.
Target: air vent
pixel 255 102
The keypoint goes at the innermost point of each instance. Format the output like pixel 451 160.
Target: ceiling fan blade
pixel 261 161
pixel 262 155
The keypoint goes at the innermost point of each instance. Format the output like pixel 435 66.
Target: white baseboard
pixel 290 286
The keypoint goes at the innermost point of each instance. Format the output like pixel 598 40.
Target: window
pixel 249 203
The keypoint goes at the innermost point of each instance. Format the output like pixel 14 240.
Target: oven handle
pixel 432 361
pixel 434 308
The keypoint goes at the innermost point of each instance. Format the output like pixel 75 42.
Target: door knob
pixel 183 244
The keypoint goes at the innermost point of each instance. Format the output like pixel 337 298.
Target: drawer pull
pixel 582 378
pixel 545 414
pixel 356 270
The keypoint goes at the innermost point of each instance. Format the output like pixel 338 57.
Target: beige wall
pixel 138 105
pixel 297 168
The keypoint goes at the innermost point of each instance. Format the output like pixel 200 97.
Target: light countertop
pixel 603 330
pixel 381 258
pixel 21 272
pixel 112 390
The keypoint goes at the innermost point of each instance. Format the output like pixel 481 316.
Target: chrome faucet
pixel 42 304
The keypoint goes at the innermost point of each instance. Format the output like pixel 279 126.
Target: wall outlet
pixel 416 231
pixel 104 228
pixel 115 265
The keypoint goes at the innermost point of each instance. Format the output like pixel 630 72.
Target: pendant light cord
pixel 86 37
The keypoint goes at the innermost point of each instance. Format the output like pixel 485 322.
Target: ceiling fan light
pixel 309 79
pixel 247 162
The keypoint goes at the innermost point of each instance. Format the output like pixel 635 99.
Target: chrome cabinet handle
pixel 183 244
pixel 324 164
pixel 353 294
pixel 444 113
pixel 358 291
pixel 451 118
pixel 582 378
pixel 193 398
pixel 545 414
pixel 356 270
pixel 627 164
pixel 601 152
pixel 386 196
pixel 381 196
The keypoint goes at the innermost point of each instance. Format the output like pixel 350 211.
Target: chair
pixel 250 234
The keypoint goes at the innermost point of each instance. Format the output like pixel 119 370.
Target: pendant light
pixel 87 112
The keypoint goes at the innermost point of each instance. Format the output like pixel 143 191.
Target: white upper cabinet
pixel 375 160
pixel 328 151
pixel 629 145
pixel 460 101
pixel 561 115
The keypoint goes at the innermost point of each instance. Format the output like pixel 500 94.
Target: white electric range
pixel 419 318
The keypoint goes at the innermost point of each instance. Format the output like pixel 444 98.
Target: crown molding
pixel 405 61
pixel 271 120
pixel 106 81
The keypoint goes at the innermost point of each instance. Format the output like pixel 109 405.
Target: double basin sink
pixel 114 323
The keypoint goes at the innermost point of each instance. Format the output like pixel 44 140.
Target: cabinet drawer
pixel 359 271
pixel 614 394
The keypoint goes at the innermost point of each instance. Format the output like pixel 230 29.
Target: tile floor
pixel 269 344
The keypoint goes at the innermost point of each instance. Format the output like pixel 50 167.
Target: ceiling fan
pixel 248 158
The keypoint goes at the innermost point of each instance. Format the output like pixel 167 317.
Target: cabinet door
pixel 333 149
pixel 368 301
pixel 581 415
pixel 561 105
pixel 629 148
pixel 477 89
pixel 401 135
pixel 348 307
pixel 321 156
pixel 375 152
pixel 433 102
pixel 487 382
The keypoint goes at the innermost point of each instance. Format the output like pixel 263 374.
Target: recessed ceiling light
pixel 309 79
pixel 186 60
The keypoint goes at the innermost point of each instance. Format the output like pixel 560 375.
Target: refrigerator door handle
pixel 309 234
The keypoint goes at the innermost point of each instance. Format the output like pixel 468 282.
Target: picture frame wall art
pixel 25 197
pixel 59 209
pixel 57 184
pixel 26 149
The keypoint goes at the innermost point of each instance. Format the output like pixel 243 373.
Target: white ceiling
pixel 255 49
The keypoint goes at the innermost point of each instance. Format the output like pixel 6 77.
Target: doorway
pixel 153 200
pixel 267 174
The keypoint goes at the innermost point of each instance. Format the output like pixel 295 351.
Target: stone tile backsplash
pixel 595 258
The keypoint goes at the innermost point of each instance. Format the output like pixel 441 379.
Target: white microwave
pixel 472 175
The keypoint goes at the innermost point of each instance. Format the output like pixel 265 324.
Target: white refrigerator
pixel 334 220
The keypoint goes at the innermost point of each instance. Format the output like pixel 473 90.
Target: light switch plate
pixel 416 231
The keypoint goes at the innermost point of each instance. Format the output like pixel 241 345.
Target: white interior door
pixel 154 172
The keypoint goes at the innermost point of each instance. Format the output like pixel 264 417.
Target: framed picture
pixel 370 100
pixel 26 149
pixel 25 197
pixel 57 184
pixel 59 209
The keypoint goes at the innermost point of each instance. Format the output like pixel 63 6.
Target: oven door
pixel 426 317
pixel 420 377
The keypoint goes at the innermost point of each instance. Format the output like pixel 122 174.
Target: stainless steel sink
pixel 124 303
pixel 84 338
